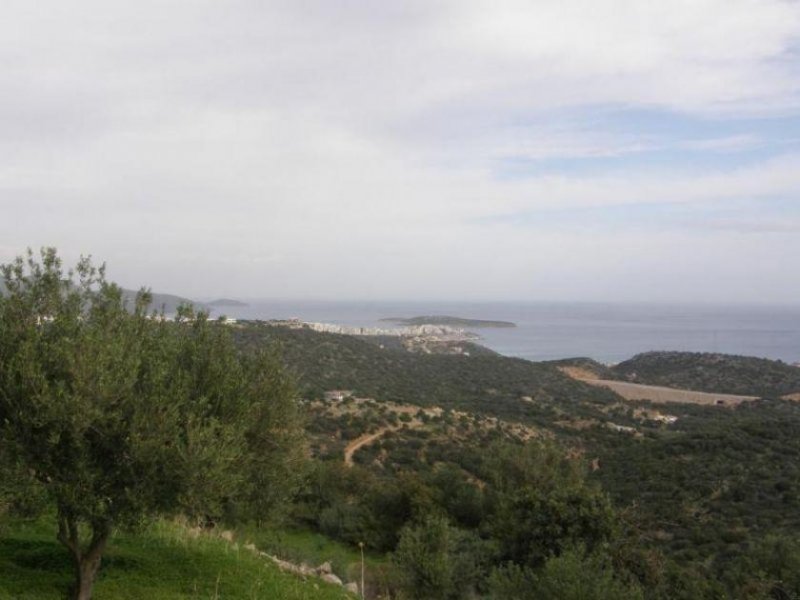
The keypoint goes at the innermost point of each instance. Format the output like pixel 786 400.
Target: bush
pixel 573 575
pixel 437 561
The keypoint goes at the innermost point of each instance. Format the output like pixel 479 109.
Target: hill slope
pixel 169 302
pixel 495 385
pixel 161 563
pixel 723 373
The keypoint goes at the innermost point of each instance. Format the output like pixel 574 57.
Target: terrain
pixel 448 321
pixel 696 371
pixel 165 561
pixel 701 496
pixel 709 372
pixel 661 394
pixel 483 382
pixel 705 483
pixel 169 303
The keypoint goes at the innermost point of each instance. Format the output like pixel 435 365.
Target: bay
pixel 551 330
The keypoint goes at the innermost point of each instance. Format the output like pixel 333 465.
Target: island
pixel 447 321
pixel 226 302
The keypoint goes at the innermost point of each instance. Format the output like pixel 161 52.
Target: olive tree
pixel 540 502
pixel 121 415
pixel 435 560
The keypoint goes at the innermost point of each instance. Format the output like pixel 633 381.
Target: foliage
pixel 698 493
pixel 717 478
pixel 721 373
pixel 483 384
pixel 120 415
pixel 306 546
pixel 573 575
pixel 437 561
pixel 161 561
pixel 540 504
pixel 771 569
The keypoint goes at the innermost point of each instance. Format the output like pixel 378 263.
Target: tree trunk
pixel 84 580
pixel 85 560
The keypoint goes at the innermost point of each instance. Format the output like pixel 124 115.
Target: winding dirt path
pixel 362 441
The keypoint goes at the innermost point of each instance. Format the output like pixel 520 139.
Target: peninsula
pixel 447 321
pixel 226 302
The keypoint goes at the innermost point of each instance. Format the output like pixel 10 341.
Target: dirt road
pixel 362 441
pixel 654 393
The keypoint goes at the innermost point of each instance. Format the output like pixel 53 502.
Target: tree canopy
pixel 120 414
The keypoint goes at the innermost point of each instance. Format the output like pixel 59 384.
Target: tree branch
pixel 68 535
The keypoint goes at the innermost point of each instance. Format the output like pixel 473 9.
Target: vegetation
pixel 482 476
pixel 168 303
pixel 573 575
pixel 684 503
pixel 436 560
pixel 588 366
pixel 302 545
pixel 117 417
pixel 484 384
pixel 722 373
pixel 713 484
pixel 162 561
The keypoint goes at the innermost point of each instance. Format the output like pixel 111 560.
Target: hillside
pixel 512 453
pixel 584 368
pixel 722 373
pixel 490 384
pixel 434 419
pixel 161 562
pixel 168 302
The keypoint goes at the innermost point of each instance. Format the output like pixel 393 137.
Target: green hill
pixel 722 373
pixel 169 302
pixel 488 384
pixel 736 468
pixel 162 562
pixel 587 365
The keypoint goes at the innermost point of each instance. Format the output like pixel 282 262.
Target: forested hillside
pixel 486 383
pixel 460 475
pixel 707 489
pixel 708 372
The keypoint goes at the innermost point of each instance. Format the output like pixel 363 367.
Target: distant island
pixel 226 302
pixel 448 321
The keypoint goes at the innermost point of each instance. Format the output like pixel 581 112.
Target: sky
pixel 582 150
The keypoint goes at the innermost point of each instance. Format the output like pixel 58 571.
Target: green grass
pixel 298 545
pixel 162 563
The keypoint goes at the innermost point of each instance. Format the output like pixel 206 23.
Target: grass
pixel 161 563
pixel 298 545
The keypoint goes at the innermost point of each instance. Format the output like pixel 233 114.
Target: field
pixel 661 394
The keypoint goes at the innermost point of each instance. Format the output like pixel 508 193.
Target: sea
pixel 609 333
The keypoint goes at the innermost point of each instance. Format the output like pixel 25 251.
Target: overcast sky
pixel 528 150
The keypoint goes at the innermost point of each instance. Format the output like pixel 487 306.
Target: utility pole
pixel 361 546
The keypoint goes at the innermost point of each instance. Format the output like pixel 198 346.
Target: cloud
pixel 263 146
pixel 731 143
pixel 753 225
